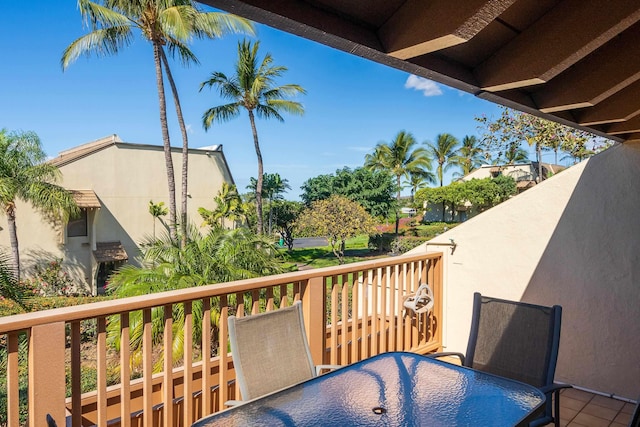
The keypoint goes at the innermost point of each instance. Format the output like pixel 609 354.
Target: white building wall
pixel 573 240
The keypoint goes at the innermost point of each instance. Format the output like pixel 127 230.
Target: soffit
pixel 572 61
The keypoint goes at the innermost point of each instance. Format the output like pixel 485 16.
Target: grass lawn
pixel 356 250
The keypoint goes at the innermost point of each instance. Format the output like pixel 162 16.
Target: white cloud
pixel 426 86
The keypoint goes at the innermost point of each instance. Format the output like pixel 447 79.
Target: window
pixel 78 226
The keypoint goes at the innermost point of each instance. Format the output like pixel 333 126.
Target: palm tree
pixel 156 210
pixel 402 159
pixel 169 24
pixel 228 206
pixel 443 151
pixel 470 155
pixel 217 257
pixel 253 88
pixel 515 154
pixel 419 180
pixel 25 176
pixel 272 188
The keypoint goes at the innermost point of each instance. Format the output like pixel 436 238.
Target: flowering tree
pixel 336 218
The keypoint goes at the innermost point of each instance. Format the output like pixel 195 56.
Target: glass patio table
pixel 391 389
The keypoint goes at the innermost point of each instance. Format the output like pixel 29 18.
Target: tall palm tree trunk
pixel 441 177
pixel 398 206
pixel 260 173
pixel 13 238
pixel 171 182
pixel 539 156
pixel 185 151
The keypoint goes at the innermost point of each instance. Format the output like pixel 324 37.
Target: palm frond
pixel 102 42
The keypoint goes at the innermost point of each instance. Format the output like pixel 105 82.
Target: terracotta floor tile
pixel 628 408
pixel 590 420
pixel 570 403
pixel 607 402
pixel 567 413
pixel 623 418
pixel 599 411
pixel 617 425
pixel 574 393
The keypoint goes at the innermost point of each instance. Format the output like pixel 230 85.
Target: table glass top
pixel 391 389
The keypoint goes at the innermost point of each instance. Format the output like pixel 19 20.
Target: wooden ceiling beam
pixel 420 27
pixel 569 32
pixel 630 126
pixel 598 76
pixel 617 108
pixel 304 20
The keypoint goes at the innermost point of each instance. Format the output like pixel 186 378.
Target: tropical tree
pixel 156 210
pixel 514 153
pixel 228 206
pixel 374 190
pixel 400 158
pixel 444 151
pixel 470 155
pixel 253 88
pixel 286 213
pixel 338 219
pixel 317 188
pixel 169 25
pixel 9 284
pixel 273 186
pixel 24 175
pixel 217 257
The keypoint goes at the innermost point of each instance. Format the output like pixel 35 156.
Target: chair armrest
pixel 321 368
pixel 445 354
pixel 554 388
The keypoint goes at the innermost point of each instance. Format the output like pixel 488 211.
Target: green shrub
pixel 381 242
pixel 405 244
pixel 49 279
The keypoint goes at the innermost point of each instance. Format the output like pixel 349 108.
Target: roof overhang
pixel 86 199
pixel 571 61
pixel 109 252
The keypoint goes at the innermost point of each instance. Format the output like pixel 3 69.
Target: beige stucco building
pixel 571 240
pixel 113 182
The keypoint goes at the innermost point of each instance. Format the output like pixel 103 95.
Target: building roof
pixel 572 61
pixel 86 198
pixel 110 251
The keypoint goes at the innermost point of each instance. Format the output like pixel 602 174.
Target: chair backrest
pixel 514 339
pixel 270 351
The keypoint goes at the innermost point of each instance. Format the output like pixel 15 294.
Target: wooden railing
pixel 145 376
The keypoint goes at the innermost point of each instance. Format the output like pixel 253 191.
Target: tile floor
pixel 583 409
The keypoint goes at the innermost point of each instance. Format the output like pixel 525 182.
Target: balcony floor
pixel 583 409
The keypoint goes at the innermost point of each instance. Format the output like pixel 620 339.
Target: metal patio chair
pixel 519 341
pixel 270 352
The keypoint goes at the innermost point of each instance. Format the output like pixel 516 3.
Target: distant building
pixel 113 182
pixel 525 174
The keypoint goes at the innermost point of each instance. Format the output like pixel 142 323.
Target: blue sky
pixel 351 103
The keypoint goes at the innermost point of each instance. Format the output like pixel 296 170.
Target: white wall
pixel 573 240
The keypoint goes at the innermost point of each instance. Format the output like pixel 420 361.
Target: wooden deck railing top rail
pixel 106 308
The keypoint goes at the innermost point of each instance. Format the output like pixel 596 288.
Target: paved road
pixel 310 242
